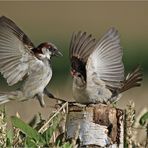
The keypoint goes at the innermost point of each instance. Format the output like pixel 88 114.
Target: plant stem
pixel 54 115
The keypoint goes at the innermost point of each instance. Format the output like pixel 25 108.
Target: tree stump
pixel 96 125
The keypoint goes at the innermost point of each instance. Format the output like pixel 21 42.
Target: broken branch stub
pixel 96 125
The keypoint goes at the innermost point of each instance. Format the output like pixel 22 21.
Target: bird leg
pixel 40 98
pixel 48 93
pixel 52 96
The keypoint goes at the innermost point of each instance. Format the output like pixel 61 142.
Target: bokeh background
pixel 55 22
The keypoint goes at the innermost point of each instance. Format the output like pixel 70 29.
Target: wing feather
pixel 15 52
pixel 16 30
pixel 81 46
pixel 105 62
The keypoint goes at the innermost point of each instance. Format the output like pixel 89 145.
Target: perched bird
pixel 97 68
pixel 21 60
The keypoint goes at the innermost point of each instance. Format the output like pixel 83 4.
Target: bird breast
pixel 79 92
pixel 38 79
pixel 91 93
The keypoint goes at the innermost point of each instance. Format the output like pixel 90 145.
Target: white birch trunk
pixel 96 126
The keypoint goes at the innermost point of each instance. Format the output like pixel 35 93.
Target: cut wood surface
pixel 96 125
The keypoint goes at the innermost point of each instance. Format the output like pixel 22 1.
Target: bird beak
pixel 58 53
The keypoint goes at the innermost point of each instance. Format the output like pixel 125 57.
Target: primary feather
pixel 15 51
pixel 105 62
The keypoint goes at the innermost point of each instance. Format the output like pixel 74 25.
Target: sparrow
pixel 20 60
pixel 97 68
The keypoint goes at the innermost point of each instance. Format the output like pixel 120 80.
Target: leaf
pixel 29 143
pixel 9 140
pixel 144 119
pixel 47 135
pixel 25 128
pixel 66 145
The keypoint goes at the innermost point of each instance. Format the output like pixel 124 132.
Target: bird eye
pixel 52 49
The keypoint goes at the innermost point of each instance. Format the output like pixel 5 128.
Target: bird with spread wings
pixel 97 68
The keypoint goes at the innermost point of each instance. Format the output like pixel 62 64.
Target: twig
pixel 59 99
pixel 48 121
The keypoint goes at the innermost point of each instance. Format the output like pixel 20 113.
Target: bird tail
pixel 8 96
pixel 133 79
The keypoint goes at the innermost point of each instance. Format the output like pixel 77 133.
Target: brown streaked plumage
pixel 99 64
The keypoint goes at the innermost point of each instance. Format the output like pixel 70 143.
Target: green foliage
pixel 47 135
pixel 9 138
pixel 66 145
pixel 25 128
pixel 41 132
pixel 32 138
pixel 144 119
pixel 29 143
pixel 37 133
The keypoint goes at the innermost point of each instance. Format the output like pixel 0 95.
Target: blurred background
pixel 55 22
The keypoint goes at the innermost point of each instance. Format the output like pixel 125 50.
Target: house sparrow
pixel 97 68
pixel 21 60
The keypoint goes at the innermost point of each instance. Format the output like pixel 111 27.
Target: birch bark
pixel 96 125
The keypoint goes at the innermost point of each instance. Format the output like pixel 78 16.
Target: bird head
pixel 47 50
pixel 78 78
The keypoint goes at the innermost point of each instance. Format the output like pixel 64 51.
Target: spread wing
pixel 15 51
pixel 81 46
pixel 105 63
